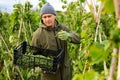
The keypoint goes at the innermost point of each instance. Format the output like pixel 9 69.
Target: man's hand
pixel 63 35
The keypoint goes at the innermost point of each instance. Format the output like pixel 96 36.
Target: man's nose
pixel 47 18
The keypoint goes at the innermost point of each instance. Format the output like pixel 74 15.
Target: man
pixel 52 35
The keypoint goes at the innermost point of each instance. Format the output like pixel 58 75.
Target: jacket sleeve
pixel 75 38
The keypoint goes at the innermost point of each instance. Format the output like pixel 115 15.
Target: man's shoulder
pixel 64 27
pixel 40 28
pixel 61 25
pixel 38 31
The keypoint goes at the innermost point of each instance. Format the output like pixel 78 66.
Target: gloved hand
pixel 63 35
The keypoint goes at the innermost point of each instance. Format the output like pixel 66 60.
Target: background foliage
pixel 90 60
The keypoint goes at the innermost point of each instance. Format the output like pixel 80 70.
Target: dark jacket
pixel 45 37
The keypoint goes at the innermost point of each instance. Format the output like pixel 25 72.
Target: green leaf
pixel 91 75
pixel 115 35
pixel 108 5
pixel 83 34
pixel 80 65
pixel 97 54
pixel 11 39
pixel 82 1
pixel 77 77
pixel 104 42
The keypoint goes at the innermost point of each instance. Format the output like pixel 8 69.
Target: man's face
pixel 48 19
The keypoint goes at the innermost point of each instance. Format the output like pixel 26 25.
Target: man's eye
pixel 49 16
pixel 44 17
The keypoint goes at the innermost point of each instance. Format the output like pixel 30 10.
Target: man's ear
pixel 42 21
pixel 54 16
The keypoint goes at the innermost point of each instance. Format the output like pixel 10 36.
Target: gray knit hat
pixel 47 8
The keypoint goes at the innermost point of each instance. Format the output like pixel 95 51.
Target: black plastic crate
pixel 28 56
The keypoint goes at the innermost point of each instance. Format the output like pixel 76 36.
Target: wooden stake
pixel 7 71
pixel 118 74
pixel 117 12
pixel 113 64
pixel 6 47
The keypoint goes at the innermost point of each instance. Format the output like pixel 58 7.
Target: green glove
pixel 63 35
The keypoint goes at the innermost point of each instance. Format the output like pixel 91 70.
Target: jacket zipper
pixel 56 39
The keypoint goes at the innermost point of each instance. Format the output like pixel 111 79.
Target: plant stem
pixel 117 8
pixel 96 32
pixel 105 69
pixel 86 62
pixel 24 24
pixel 20 29
pixel 118 74
pixel 113 64
pixel 6 47
pixel 117 12
pixel 30 28
pixel 17 68
pixel 7 71
pixel 98 20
